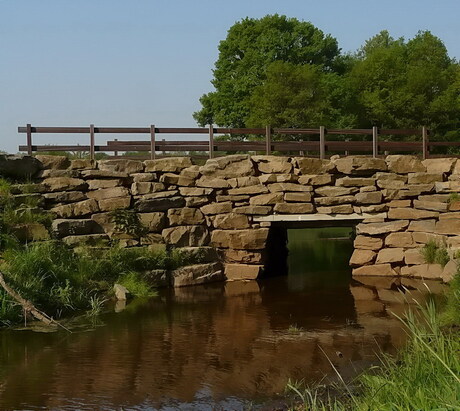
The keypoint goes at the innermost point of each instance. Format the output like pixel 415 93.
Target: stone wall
pixel 405 203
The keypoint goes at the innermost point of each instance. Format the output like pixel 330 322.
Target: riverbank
pixel 424 375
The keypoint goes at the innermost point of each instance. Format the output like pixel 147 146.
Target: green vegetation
pixel 424 376
pixel 284 72
pixel 433 253
pixel 128 222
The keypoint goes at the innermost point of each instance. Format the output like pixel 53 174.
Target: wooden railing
pixel 268 144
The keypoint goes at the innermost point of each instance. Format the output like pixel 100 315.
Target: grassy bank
pixel 425 375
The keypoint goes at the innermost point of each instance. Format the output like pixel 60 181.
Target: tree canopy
pixel 287 73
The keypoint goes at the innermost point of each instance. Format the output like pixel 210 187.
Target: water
pixel 226 346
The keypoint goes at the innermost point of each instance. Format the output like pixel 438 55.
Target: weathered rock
pixel 191 172
pixel 229 167
pixel 273 164
pixel 243 256
pixel 449 271
pixel 155 222
pixel 424 178
pixel 54 162
pixel 375 208
pixel 355 182
pixel 186 236
pixel 18 166
pixel 99 184
pixel 266 199
pixel 294 208
pixel 146 187
pixel 398 240
pixel 252 239
pixel 64 228
pixel 81 164
pixel 278 178
pixel 159 194
pixel 224 198
pixel 431 271
pixel 425 238
pixel 160 204
pixel 316 179
pixel 375 270
pixel 117 203
pixel 413 257
pixel 176 179
pixel 251 190
pixel 391 184
pixel 212 182
pixel 64 197
pixel 331 191
pixel 314 165
pixel 194 191
pixel 120 292
pixel 243 271
pixel 390 255
pixel 64 184
pixel 197 274
pixel 185 216
pixel 217 208
pixel 336 209
pixel 360 165
pixel 362 257
pixel 427 226
pixel 381 228
pixel 105 193
pixel 230 221
pixel 414 190
pixel 253 210
pixel 123 165
pixel 95 174
pixel 430 205
pixel 168 164
pixel 30 232
pixel 144 177
pixel 79 209
pixel 410 214
pixel 373 197
pixel 439 165
pixel 402 164
pixel 400 203
pixel 330 201
pixel 448 226
pixel 196 201
pixel 52 173
pixel 297 197
pixel 368 243
pixel 448 187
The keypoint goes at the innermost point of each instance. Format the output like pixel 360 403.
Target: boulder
pixel 398 240
pixel 54 162
pixel 230 221
pixel 186 236
pixel 381 228
pixel 19 166
pixel 294 208
pixel 229 167
pixel 309 166
pixel 362 257
pixel 250 239
pixel 403 164
pixel 168 164
pixel 390 255
pixel 273 164
pixel 64 184
pixel 266 199
pixel 368 243
pixel 155 222
pixel 123 165
pixel 235 272
pixel 185 216
pixel 197 274
pixel 360 165
pixel 375 270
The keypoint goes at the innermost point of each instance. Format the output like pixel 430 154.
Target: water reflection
pixel 210 347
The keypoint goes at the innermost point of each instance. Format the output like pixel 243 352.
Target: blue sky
pixel 142 62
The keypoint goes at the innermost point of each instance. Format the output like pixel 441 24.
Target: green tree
pixel 247 52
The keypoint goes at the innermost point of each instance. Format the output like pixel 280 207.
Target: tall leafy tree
pixel 247 52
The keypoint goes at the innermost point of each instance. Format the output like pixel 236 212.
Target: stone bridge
pixel 236 209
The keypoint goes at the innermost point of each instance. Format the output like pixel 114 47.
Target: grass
pixel 424 376
pixel 433 253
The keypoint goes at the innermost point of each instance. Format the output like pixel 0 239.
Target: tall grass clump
pixel 433 253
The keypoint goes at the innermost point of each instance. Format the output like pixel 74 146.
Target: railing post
pixel 211 141
pixel 115 153
pixel 268 140
pixel 91 142
pixel 322 143
pixel 29 139
pixel 152 142
pixel 425 149
pixel 375 142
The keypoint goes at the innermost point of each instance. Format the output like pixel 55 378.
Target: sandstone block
pixel 374 208
pixel 97 184
pixel 368 243
pixel 367 189
pixel 375 270
pixel 96 174
pixel 439 165
pixel 336 209
pixel 316 179
pixel 333 191
pixel 30 232
pixel 155 222
pixel 233 166
pixel 159 204
pixel 448 227
pixel 64 184
pixel 283 187
pixel 373 197
pixel 398 240
pixel 146 187
pixel 244 181
pixel 402 164
pixel 251 190
pixel 360 165
pixel 121 165
pixel 400 203
pixel 64 197
pixel 105 193
pixel 266 199
pixel 197 274
pixel 448 187
pixel 430 205
pixel 449 271
pixel 297 197
pixel 413 257
pixel 111 204
pixel 251 239
pixel 191 172
pixel 144 177
pixel 390 255
pixel 449 216
pixel 243 256
pixel 95 240
pixel 196 201
pixel 424 178
pixel 253 210
pixel 273 164
pixel 331 201
pixel 294 208
pixel 81 164
pixel 362 257
pixel 212 182
pixel 54 162
pixel 235 272
pixel 424 238
pixel 410 214
pixel 175 179
pixel 78 209
pixel 428 226
pixel 195 191
pixel 381 228
pixel 224 198
pixel 168 164
pixel 217 208
pixel 430 271
pixel 185 216
pixel 314 165
pixel 355 182
pixel 230 221
pixel 186 236
pixel 391 184
pixel 64 227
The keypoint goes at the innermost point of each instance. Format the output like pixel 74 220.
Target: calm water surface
pixel 226 347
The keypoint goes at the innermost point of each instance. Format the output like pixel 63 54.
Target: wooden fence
pixel 269 140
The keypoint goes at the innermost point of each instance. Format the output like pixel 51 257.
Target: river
pixel 227 346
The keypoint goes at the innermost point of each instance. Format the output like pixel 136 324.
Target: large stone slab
pixel 243 256
pixel 185 216
pixel 155 222
pixel 362 257
pixel 368 243
pixel 355 181
pixel 390 255
pixel 235 272
pixel 410 214
pixel 229 167
pixel 18 166
pixel 439 165
pixel 63 227
pixel 331 201
pixel 253 210
pixel 381 228
pixel 53 162
pixel 159 204
pixel 448 226
pixel 212 182
pixel 266 199
pixel 123 165
pixel 332 191
pixel 398 240
pixel 273 164
pixel 105 193
pixel 336 209
pixel 197 274
pixel 424 178
pixel 118 203
pixel 252 239
pixel 294 208
pixel 314 165
pixel 230 221
pixel 371 197
pixel 78 209
pixel 360 165
pixel 430 271
pixel 292 187
pixel 402 164
pixel 64 184
pixel 217 208
pixel 168 164
pixel 186 236
pixel 379 270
